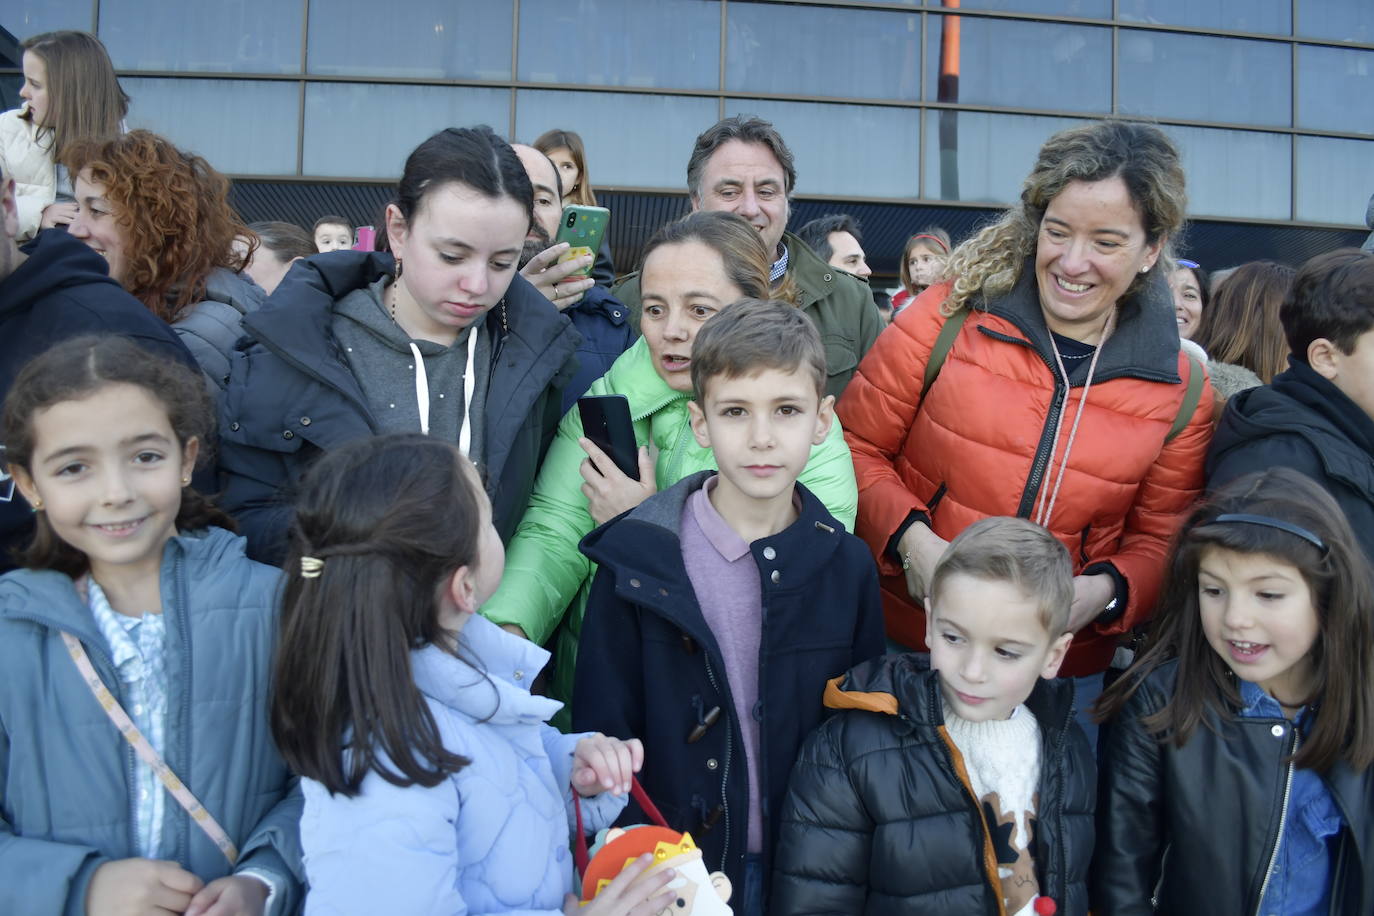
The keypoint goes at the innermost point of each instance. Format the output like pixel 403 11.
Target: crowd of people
pixel 1049 592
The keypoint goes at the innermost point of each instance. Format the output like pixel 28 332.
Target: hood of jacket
pixel 1144 344
pixel 906 687
pixel 236 290
pixel 491 692
pixel 1300 402
pixel 55 261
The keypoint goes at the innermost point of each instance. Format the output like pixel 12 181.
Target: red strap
pixel 641 798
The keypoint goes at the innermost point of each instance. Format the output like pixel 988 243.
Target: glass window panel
pixel 1094 9
pixel 246 36
pixel 26 18
pixel 666 43
pixel 1272 17
pixel 243 127
pixel 868 54
pixel 1235 172
pixel 1021 64
pixel 398 118
pixel 845 150
pixel 1340 20
pixel 983 157
pixel 1334 178
pixel 1336 89
pixel 1200 78
pixel 663 128
pixel 461 39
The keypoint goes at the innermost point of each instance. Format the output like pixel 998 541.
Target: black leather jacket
pixel 1192 829
pixel 878 819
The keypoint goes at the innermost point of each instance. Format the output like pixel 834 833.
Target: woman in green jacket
pixel 692 268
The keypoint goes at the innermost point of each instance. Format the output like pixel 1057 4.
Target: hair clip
pixel 1277 523
pixel 311 567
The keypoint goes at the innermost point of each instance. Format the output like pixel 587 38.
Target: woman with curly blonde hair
pixel 161 217
pixel 1062 395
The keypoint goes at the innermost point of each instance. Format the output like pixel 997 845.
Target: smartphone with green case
pixel 582 228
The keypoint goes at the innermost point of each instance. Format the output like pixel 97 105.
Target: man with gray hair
pixel 741 165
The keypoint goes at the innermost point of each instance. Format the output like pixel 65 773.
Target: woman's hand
pixel 630 893
pixel 1091 594
pixel 59 213
pixel 555 280
pixel 136 887
pixel 925 548
pixel 609 492
pixel 232 895
pixel 602 764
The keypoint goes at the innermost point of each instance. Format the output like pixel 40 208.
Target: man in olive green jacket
pixel 741 165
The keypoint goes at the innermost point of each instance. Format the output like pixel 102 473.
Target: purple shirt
pixel 726 581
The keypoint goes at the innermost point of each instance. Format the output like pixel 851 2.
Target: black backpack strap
pixel 1190 398
pixel 943 344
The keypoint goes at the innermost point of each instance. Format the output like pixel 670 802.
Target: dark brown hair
pixel 1018 552
pixel 78 368
pixel 392 517
pixel 1241 324
pixel 745 130
pixel 1342 587
pixel 85 100
pixel 751 335
pixel 1332 298
pixel 569 140
pixel 173 208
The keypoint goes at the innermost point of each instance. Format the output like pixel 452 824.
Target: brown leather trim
pixel 837 698
pixel 989 854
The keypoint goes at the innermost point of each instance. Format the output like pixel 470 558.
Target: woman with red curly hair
pixel 161 218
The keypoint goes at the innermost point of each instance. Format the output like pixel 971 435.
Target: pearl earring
pixel 38 504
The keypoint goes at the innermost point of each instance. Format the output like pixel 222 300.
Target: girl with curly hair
pixel 1062 394
pixel 161 218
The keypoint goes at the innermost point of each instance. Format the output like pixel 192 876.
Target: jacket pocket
pixel 841 355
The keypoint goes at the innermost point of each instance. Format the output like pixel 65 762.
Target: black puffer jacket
pixel 879 818
pixel 1194 827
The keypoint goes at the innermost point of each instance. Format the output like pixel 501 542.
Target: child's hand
pixel 602 764
pixel 608 490
pixel 234 895
pixel 631 893
pixel 136 887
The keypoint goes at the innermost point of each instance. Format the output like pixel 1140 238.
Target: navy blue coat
pixel 603 321
pixel 292 396
pixel 650 667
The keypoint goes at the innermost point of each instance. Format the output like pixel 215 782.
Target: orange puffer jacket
pixel 978 445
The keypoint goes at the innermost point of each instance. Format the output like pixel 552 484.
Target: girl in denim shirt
pixel 1235 773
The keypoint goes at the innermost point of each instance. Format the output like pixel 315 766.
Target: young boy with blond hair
pixel 955 781
pixel 723 604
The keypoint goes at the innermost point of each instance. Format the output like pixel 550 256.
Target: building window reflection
pixel 1200 78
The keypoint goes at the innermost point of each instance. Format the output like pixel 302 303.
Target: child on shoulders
pixel 722 604
pixel 958 781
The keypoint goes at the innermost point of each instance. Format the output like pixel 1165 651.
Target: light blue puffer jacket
pixel 492 838
pixel 65 772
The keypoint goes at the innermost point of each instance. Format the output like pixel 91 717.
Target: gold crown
pixel 662 853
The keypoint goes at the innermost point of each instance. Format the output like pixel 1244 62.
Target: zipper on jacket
pixel 725 766
pixel 181 612
pixel 1060 775
pixel 993 880
pixel 1283 819
pixel 1057 402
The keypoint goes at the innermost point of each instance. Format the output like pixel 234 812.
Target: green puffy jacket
pixel 546 575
